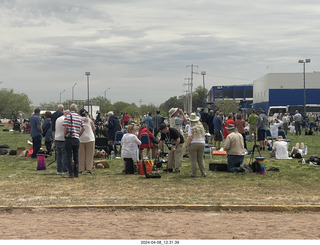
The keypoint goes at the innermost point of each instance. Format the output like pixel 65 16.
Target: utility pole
pixel 186 108
pixel 140 101
pixel 191 84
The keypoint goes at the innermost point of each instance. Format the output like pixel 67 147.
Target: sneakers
pixel 59 173
pixel 176 171
pixel 89 173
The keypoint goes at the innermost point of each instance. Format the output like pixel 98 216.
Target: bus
pixel 310 109
pixel 275 111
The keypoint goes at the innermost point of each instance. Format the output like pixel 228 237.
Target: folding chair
pixel 144 138
pixel 268 134
pixel 101 143
pixel 117 141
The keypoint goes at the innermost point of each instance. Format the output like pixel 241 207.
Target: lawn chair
pixel 117 141
pixel 145 139
pixel 16 127
pixel 101 143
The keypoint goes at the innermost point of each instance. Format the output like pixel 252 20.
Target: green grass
pixel 22 185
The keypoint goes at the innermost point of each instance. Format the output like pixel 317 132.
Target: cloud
pixel 141 49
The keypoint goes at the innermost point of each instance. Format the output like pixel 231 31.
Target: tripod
pixel 255 146
pixel 55 156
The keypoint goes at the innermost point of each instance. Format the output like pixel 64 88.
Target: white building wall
pixel 262 85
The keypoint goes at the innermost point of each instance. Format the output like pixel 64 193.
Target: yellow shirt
pixel 234 144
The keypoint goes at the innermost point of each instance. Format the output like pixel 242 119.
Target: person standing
pixel 126 119
pixel 148 122
pixel 252 120
pixel 285 121
pixel 73 123
pixel 175 155
pixel 195 145
pixel 156 122
pixel 47 132
pixel 240 125
pixel 113 126
pixel 210 125
pixel 36 132
pixel 176 119
pixel 217 124
pixel 61 153
pixel 58 113
pixel 87 144
pixel 261 127
pixel 235 149
pixel 297 122
pixel 229 121
pixel 274 127
pixel 130 149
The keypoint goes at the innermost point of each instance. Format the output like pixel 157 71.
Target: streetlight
pixel 105 99
pixel 60 95
pixel 304 83
pixel 73 91
pixel 203 73
pixel 88 74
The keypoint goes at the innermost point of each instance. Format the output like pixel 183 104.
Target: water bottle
pixel 306 150
pixel 112 155
pixel 303 161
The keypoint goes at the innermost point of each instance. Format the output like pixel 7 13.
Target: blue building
pixel 284 89
pixel 243 94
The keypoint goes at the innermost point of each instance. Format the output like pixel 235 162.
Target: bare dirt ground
pixel 156 225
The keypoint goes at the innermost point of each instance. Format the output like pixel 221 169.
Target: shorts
pixel 261 134
pixel 217 135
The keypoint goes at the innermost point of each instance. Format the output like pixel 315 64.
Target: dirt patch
pixel 156 225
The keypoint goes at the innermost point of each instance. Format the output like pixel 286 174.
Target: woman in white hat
pixel 195 145
pixel 177 118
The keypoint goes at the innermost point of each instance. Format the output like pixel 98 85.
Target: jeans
pixel 61 155
pixel 297 126
pixel 36 145
pixel 72 148
pixel 234 162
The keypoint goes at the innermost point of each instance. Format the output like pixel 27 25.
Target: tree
pixel 172 102
pixel 12 103
pixel 197 98
pixel 227 106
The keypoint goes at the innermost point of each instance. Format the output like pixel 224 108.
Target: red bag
pixel 30 151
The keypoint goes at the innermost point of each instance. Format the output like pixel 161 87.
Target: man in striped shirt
pixel 73 129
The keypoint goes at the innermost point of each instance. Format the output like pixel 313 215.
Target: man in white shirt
pixel 280 148
pixel 61 153
pixel 274 127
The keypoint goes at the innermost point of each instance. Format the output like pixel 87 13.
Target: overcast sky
pixel 143 49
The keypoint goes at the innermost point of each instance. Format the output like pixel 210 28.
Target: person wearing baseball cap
pixel 235 148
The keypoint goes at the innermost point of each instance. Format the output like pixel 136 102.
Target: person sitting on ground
pixel 144 130
pixel 280 148
pixel 129 149
pixel 235 149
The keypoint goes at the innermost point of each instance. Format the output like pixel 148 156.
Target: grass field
pixel 22 185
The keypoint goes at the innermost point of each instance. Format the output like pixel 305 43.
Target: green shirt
pixel 252 119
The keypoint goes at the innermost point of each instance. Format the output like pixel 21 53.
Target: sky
pixel 143 51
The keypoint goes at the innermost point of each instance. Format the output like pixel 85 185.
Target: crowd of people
pixel 72 135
